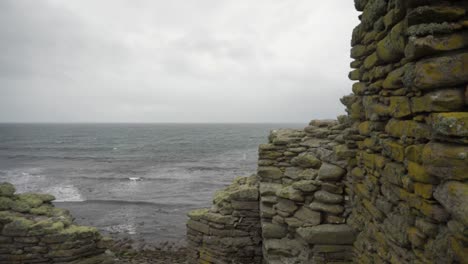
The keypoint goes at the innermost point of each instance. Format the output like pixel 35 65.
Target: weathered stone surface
pixel 290 193
pixel 327 208
pixel 420 47
pixel 273 173
pixel 308 217
pixel 267 188
pixel 283 247
pixel 453 195
pixel 392 47
pixel 434 14
pixel 270 230
pixel 451 124
pixel 439 101
pixel 326 197
pixel 306 160
pixel 286 205
pixel 305 185
pixel 446 161
pixel 328 234
pixel 285 136
pixel 441 72
pixel 330 172
pixel 407 128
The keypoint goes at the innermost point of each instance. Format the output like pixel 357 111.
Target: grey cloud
pixel 173 61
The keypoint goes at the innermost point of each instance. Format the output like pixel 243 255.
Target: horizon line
pixel 84 122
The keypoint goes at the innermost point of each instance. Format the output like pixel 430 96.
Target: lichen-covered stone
pixel 420 47
pixel 327 197
pixel 306 160
pixel 330 172
pixel 441 72
pixel 327 234
pixel 435 14
pixel 407 128
pixel 451 124
pixel 439 101
pixel 392 47
pixel 453 195
pixel 446 161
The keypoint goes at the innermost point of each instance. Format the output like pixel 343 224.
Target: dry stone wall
pixel 409 179
pixel 32 230
pixel 229 231
pixel 303 202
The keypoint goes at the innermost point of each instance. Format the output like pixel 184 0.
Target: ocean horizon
pixel 136 180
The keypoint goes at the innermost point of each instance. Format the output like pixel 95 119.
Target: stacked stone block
pixel 408 183
pixel 229 231
pixel 32 230
pixel 303 198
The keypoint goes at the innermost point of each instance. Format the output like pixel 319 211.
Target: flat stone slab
pixel 328 234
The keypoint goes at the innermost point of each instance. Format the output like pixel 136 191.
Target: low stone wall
pixel 229 231
pixel 32 230
pixel 303 202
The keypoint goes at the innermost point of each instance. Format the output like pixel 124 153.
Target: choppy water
pixel 133 179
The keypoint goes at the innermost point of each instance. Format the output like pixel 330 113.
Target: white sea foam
pixel 65 193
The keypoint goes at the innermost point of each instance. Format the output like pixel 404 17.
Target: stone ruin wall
pixel 303 200
pixel 388 183
pixel 229 231
pixel 409 105
pixel 32 230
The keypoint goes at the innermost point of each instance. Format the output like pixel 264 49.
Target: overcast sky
pixel 174 61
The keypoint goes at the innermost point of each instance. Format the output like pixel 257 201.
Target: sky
pixel 222 61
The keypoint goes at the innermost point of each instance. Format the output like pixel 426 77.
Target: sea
pixel 130 180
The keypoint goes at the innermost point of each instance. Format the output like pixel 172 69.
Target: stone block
pixel 327 208
pixel 306 160
pixel 330 172
pixel 272 173
pixel 446 161
pixel 450 124
pixel 308 217
pixel 441 72
pixel 290 193
pixel 328 234
pixel 453 195
pixel 327 197
pixel 270 230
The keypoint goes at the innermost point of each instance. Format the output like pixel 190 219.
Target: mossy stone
pixel 441 72
pixel 450 124
pixel 7 189
pixel 5 203
pixel 446 161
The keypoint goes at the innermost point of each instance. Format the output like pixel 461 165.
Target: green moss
pixel 7 189
pixel 198 213
pixel 5 203
pixel 432 28
pixel 20 206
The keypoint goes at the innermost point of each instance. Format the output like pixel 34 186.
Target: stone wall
pixel 32 230
pixel 409 180
pixel 303 202
pixel 229 231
